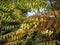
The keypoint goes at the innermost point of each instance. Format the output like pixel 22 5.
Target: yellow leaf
pixel 36 19
pixel 20 31
pixel 41 20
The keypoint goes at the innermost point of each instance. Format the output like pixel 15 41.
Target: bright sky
pixel 33 11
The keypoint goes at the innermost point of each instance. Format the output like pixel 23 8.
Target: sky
pixel 33 11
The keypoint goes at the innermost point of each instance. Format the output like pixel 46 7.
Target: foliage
pixel 6 6
pixel 18 29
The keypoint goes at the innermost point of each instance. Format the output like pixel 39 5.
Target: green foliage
pixel 26 5
pixel 8 23
pixel 56 4
pixel 6 6
pixel 28 39
pixel 12 17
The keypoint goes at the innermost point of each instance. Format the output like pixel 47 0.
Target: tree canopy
pixel 16 28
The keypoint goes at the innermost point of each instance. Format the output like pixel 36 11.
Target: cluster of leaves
pixel 56 4
pixel 10 16
pixel 6 6
pixel 34 22
pixel 7 22
pixel 10 19
pixel 6 17
pixel 35 4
